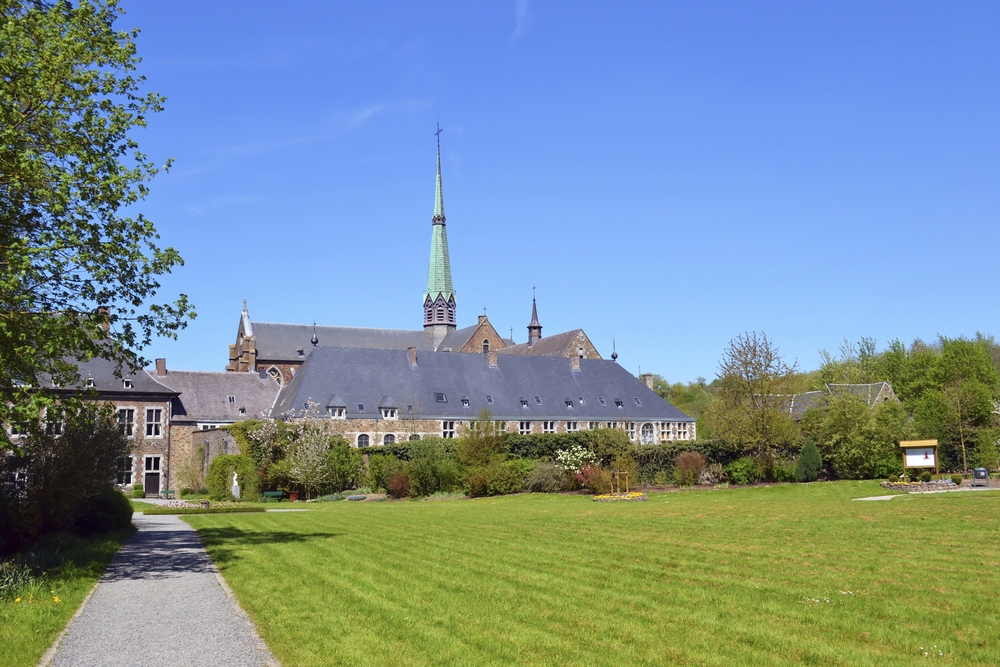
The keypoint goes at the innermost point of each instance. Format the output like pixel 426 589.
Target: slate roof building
pixel 381 396
pixel 872 393
pixel 280 349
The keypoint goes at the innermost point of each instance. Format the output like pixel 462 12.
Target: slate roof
pixel 365 376
pixel 281 342
pixel 798 404
pixel 204 396
pixel 869 392
pixel 102 372
pixel 458 339
pixel 550 346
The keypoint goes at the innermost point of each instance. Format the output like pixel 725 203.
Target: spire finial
pixel 614 350
pixel 244 304
pixel 314 340
pixel 438 191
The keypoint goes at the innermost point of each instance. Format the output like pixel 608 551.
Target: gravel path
pixel 161 602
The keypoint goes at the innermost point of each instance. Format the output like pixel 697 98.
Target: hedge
pixel 220 477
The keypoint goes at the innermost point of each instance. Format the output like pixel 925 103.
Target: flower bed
pixel 609 497
pixel 917 487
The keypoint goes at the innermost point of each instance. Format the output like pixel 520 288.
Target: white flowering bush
pixel 575 458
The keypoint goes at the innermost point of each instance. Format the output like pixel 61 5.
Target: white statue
pixel 236 487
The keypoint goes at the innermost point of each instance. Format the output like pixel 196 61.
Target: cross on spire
pixel 438 135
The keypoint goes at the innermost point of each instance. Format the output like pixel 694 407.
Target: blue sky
pixel 668 175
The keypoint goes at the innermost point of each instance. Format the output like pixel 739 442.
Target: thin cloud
pixel 360 117
pixel 523 18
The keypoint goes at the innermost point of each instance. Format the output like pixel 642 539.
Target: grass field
pixel 792 574
pixel 29 626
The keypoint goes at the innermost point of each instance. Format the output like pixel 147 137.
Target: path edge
pixel 231 595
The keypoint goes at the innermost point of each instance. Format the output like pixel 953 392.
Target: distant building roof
pixel 798 404
pixel 99 374
pixel 282 342
pixel 205 396
pixel 363 377
pixel 555 345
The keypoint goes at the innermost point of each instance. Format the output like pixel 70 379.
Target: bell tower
pixel 439 298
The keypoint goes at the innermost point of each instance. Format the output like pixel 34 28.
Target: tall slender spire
pixel 535 328
pixel 439 299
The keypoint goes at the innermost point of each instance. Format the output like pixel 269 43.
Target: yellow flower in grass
pixel 17 600
pixel 57 600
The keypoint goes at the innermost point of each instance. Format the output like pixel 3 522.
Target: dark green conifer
pixel 810 462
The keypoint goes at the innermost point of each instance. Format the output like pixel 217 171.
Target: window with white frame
pixel 363 440
pixel 151 464
pixel 548 427
pixel 127 383
pixel 524 428
pixel 682 431
pixel 593 426
pixel 646 434
pixel 124 474
pixel 630 428
pixel 126 420
pixel 572 427
pixel 388 413
pixel 664 431
pixel 447 429
pixel 54 424
pixel 154 422
pixel 337 413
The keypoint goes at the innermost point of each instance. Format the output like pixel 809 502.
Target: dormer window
pixel 90 382
pixel 300 352
pixel 388 413
pixel 524 402
pixel 465 402
pixel 243 411
pixel 337 413
pixel 619 404
pixel 569 405
pixel 127 383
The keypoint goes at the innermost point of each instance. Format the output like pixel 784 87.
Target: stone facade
pixel 485 335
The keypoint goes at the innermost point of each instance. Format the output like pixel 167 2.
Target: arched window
pixel 486 346
pixel 414 437
pixel 362 440
pixel 275 374
pixel 647 434
pixel 389 439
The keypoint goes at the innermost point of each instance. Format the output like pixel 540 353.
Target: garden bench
pixel 167 494
pixel 276 495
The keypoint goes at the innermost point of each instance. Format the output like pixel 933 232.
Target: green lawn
pixel 29 626
pixel 792 574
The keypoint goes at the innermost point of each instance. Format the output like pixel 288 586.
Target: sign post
pixel 920 454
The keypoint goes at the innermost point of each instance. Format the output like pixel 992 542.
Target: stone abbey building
pixel 379 386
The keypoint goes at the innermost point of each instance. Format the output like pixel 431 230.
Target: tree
pixel 76 276
pixel 309 463
pixel 750 412
pixel 809 464
pixel 484 441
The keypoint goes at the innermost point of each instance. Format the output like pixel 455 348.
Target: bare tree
pixel 751 413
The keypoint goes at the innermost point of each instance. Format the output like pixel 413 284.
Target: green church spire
pixel 439 299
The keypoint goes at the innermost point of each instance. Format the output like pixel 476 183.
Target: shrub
pixel 545 478
pixel 506 477
pixel 345 463
pixel 595 478
pixel 743 471
pixel 381 468
pixel 399 485
pixel 279 477
pixel 688 468
pixel 186 492
pixel 662 478
pixel 718 472
pixel 810 463
pixel 106 511
pixel 431 468
pixel 220 477
pixel 956 480
pixel 926 476
pixel 138 491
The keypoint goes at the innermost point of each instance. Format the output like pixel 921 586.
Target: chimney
pixel 647 378
pixel 491 358
pixel 412 351
pixel 482 318
pixel 161 367
pixel 574 363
